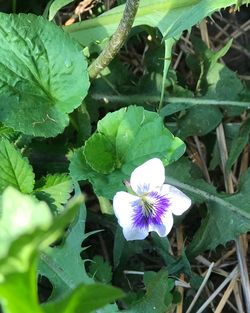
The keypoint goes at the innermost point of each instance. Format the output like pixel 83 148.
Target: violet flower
pixel 152 205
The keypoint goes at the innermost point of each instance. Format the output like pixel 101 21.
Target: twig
pixel 239 241
pixel 179 237
pixel 232 275
pixel 201 288
pixel 117 40
pixel 243 271
pixel 226 295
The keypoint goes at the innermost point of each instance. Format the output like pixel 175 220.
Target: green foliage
pixel 62 264
pixel 14 169
pixel 84 299
pixel 135 136
pixel 100 270
pixel 43 80
pixel 26 227
pixel 227 216
pixel 57 187
pixel 170 17
pixel 38 64
pixel 158 297
pixel 238 144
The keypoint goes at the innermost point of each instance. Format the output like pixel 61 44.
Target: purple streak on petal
pixel 141 189
pixel 160 206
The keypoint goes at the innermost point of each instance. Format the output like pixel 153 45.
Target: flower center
pixel 147 206
pixel 150 209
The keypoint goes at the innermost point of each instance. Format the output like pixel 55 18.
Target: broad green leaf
pixel 170 17
pixel 199 121
pixel 158 291
pixel 227 216
pixel 62 264
pixel 100 270
pixel 100 145
pixel 20 214
pixel 58 187
pixel 15 170
pixel 84 299
pixel 56 6
pixel 26 226
pixel 44 75
pixel 136 135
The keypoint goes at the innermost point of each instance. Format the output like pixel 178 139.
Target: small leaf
pixel 14 169
pixel 58 187
pixel 157 291
pixel 100 270
pixel 39 62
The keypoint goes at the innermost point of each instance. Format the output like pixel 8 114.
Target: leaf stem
pixel 117 40
pixel 140 99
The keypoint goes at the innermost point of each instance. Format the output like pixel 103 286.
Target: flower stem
pixel 117 40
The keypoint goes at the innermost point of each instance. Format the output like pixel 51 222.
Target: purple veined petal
pixel 178 201
pixel 149 210
pixel 167 223
pixel 148 176
pixel 124 211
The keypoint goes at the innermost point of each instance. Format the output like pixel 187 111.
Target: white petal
pixel 123 208
pixel 132 233
pixel 166 226
pixel 179 202
pixel 124 212
pixel 148 176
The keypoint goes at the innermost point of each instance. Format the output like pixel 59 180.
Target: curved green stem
pixel 117 40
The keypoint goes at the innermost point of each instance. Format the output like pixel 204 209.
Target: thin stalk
pixel 140 99
pixel 231 276
pixel 117 40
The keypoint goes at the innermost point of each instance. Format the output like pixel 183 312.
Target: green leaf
pixel 62 264
pixel 238 144
pixel 100 270
pixel 58 187
pixel 227 216
pixel 56 6
pixel 20 214
pixel 156 294
pixel 170 17
pixel 136 135
pixel 7 132
pixel 84 299
pixel 99 145
pixel 199 121
pixel 38 63
pixel 14 169
pixel 26 226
